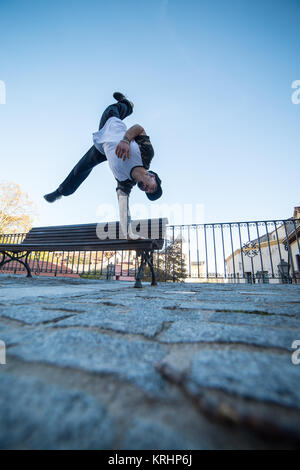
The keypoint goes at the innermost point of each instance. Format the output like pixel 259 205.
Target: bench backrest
pixel 94 234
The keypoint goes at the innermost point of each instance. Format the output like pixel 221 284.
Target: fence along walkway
pixel 255 251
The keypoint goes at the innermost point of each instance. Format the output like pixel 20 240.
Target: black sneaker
pixel 120 97
pixel 52 197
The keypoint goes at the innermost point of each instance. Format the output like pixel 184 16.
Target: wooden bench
pixel 90 237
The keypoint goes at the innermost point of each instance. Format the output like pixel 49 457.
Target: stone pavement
pixel 101 365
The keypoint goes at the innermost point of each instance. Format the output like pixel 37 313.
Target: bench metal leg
pixel 8 257
pixel 146 258
pixel 150 264
pixel 140 274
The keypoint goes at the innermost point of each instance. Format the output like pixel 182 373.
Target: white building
pixel 273 257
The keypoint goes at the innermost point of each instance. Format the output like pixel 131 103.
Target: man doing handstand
pixel 129 153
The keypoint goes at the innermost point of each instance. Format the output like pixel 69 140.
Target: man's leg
pixel 121 110
pixel 93 157
pixel 81 171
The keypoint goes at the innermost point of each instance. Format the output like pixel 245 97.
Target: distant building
pixel 293 240
pixel 269 258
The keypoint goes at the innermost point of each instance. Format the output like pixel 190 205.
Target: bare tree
pixel 169 263
pixel 108 254
pixel 16 210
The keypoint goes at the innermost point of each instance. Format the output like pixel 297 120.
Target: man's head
pixel 148 184
pixel 151 184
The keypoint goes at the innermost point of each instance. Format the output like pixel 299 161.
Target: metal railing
pixel 244 252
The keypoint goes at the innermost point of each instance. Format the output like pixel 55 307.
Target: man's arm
pixel 125 217
pixel 123 147
pixel 133 132
pixel 124 213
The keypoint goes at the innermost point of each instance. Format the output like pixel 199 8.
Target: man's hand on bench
pixel 133 236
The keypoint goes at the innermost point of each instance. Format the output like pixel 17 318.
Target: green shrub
pixel 91 276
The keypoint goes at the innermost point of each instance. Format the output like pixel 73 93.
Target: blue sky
pixel 211 81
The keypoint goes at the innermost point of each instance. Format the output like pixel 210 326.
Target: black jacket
pixel 147 153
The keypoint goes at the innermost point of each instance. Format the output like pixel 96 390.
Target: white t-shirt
pixel 106 141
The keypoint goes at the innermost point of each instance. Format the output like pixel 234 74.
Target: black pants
pixel 93 157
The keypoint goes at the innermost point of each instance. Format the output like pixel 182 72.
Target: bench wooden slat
pixel 106 245
pixel 93 226
pixel 88 232
pixel 79 227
